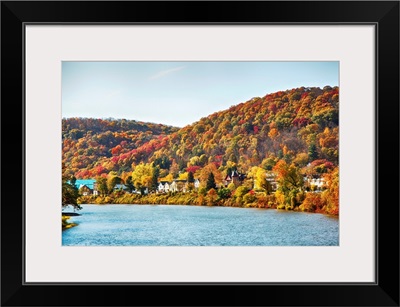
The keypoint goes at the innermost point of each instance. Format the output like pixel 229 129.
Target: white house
pixel 163 188
pixel 173 187
pixel 316 182
pixel 196 184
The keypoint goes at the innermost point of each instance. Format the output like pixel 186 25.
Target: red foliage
pixel 301 122
pixel 217 163
pixel 98 170
pixel 115 159
pixel 318 162
pixel 304 95
pixel 193 169
pixel 272 107
pixel 219 158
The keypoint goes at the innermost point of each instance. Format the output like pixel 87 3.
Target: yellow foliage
pixel 183 176
pixel 273 133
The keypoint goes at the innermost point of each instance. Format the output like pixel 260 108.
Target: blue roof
pixel 120 186
pixel 87 182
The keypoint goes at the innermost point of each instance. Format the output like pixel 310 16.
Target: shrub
pixel 231 186
pixel 241 191
pixel 249 198
pixel 224 193
pixel 311 203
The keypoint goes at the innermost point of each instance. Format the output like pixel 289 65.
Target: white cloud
pixel 163 73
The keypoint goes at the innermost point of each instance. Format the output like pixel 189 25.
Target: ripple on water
pixel 175 225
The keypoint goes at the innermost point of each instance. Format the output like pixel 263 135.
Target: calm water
pixel 163 225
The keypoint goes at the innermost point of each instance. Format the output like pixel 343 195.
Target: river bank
pixel 311 202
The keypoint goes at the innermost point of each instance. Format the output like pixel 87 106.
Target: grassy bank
pixel 65 223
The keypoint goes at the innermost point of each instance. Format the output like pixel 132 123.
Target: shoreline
pixel 241 207
pixel 65 224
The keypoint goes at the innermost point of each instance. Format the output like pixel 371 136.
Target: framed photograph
pixel 245 149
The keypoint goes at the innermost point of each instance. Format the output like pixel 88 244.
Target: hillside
pixel 88 144
pixel 298 125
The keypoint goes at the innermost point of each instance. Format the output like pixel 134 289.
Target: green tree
pixel 190 177
pixel 190 181
pixel 69 192
pixel 70 195
pixel 113 181
pixel 210 182
pixel 224 193
pixel 154 178
pixel 129 184
pixel 312 152
pixel 102 185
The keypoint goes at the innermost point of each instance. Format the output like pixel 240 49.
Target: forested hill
pixel 299 126
pixel 88 143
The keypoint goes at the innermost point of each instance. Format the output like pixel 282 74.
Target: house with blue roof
pixel 86 186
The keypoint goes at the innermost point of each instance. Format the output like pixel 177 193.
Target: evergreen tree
pixel 312 152
pixel 70 195
pixel 154 178
pixel 190 177
pixel 129 184
pixel 210 182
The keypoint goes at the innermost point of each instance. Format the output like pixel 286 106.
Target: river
pixel 176 225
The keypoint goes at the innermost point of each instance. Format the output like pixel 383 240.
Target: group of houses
pixel 89 187
pixel 316 184
pixel 177 186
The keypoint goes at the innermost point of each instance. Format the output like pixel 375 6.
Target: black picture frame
pixel 383 14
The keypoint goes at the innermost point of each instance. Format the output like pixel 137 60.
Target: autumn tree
pixel 205 174
pixel 261 181
pixel 101 183
pixel 112 181
pixel 331 195
pixel 290 183
pixel 174 169
pixel 142 176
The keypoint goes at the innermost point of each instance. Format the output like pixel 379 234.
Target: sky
pixel 179 93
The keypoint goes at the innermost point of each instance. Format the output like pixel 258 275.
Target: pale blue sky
pixel 179 93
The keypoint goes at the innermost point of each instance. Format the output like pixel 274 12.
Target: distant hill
pixel 89 142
